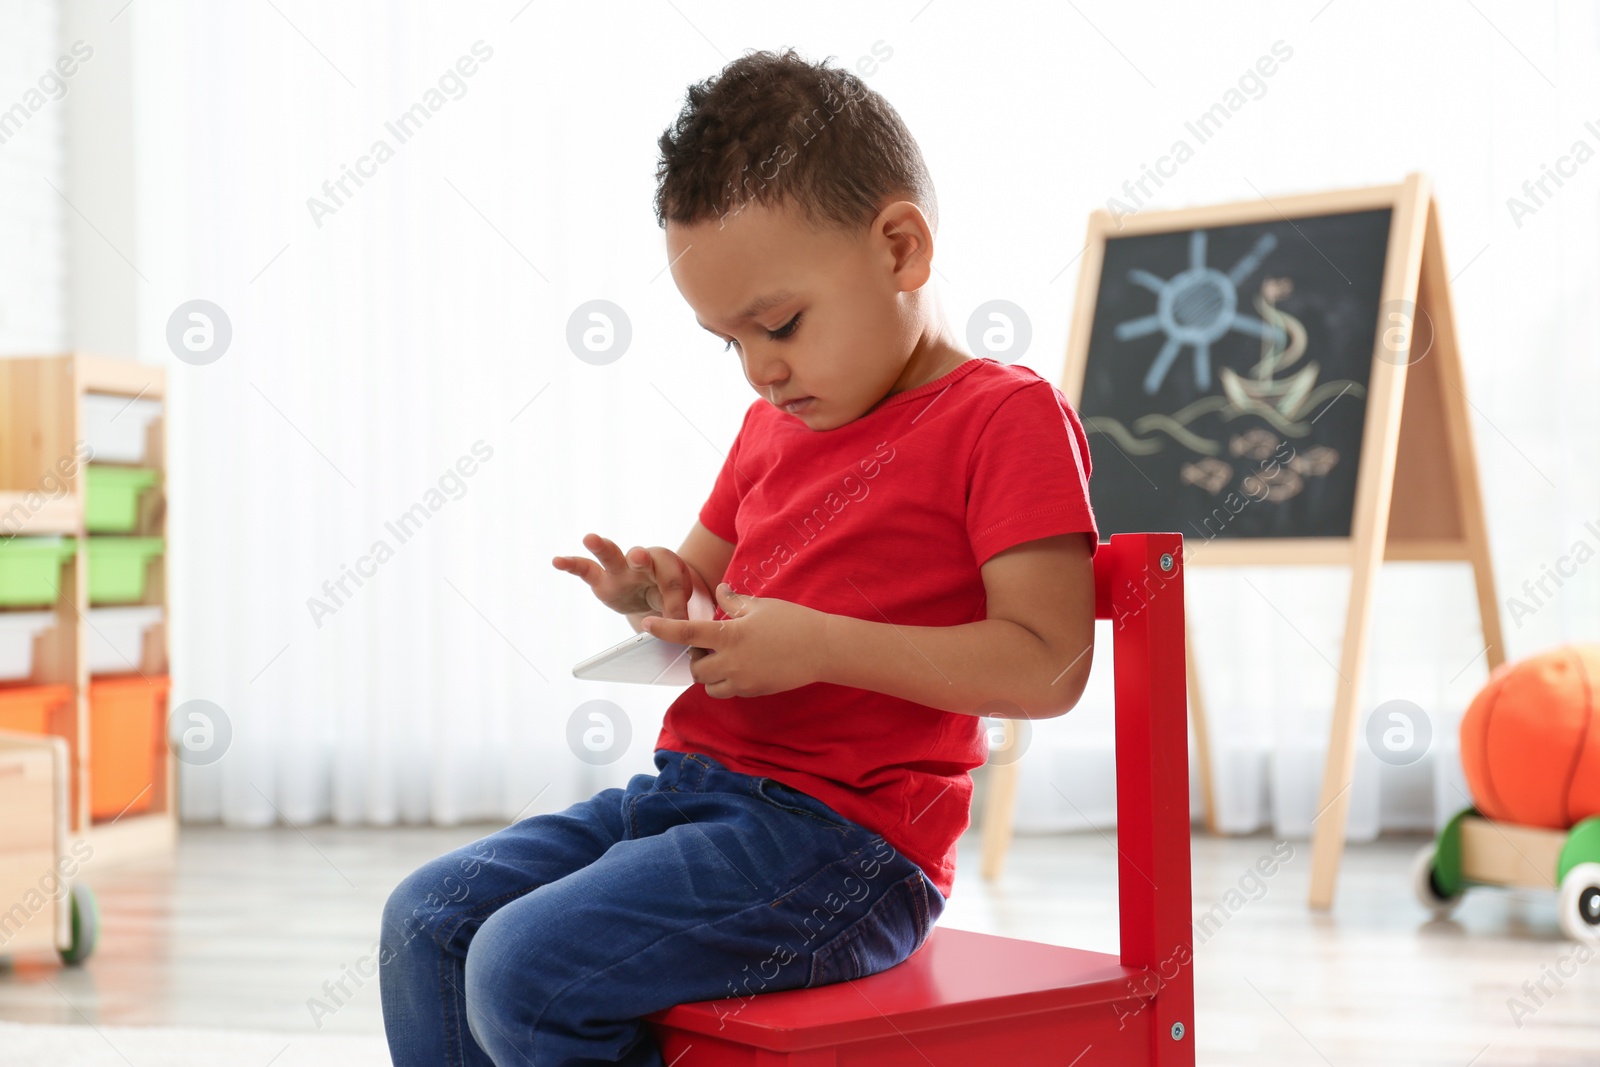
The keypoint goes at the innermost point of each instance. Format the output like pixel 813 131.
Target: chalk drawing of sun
pixel 1195 308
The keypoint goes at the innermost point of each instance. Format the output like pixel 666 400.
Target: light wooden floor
pixel 241 929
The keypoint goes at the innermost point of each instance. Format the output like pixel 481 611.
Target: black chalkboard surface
pixel 1224 389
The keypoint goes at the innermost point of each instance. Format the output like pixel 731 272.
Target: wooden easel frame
pixel 1416 421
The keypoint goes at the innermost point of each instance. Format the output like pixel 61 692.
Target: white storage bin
pixel 116 637
pixel 116 427
pixel 17 631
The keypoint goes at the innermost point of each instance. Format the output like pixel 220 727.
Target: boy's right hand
pixel 641 581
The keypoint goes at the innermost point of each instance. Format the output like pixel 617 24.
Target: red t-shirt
pixel 887 517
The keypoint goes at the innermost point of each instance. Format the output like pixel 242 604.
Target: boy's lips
pixel 794 407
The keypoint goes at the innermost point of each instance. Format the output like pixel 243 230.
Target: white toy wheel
pixel 1579 904
pixel 1426 889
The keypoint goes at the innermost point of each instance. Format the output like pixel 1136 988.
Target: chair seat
pixel 957 979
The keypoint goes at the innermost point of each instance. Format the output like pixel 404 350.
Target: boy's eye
pixel 786 329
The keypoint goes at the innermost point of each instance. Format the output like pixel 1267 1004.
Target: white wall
pixel 104 249
pixel 33 314
pixel 68 251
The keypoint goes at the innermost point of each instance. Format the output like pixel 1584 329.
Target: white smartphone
pixel 643 658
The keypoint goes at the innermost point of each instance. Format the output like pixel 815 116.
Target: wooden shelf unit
pixel 42 486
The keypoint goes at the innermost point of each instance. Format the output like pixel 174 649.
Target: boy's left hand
pixel 765 646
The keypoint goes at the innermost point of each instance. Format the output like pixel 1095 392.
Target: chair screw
pixel 1166 561
pixel 1177 1031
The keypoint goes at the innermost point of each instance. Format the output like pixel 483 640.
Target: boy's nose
pixel 768 378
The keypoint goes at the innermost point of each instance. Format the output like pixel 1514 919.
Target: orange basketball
pixel 1530 740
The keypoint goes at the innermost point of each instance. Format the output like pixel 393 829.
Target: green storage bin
pixel 113 496
pixel 117 567
pixel 30 570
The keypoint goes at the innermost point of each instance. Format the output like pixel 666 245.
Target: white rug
pixel 27 1045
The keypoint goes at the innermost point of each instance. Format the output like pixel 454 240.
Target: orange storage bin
pixel 27 707
pixel 127 742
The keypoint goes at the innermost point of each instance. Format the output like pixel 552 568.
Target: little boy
pixel 900 541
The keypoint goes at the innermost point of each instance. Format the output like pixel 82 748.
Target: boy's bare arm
pixel 1033 650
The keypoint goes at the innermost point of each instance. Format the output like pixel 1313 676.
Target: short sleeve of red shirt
pixel 718 512
pixel 1029 474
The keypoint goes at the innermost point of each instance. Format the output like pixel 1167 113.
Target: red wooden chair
pixel 967 999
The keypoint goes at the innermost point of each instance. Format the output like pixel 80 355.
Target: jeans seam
pixel 919 898
pixel 705 768
pixel 850 937
pixel 455 1048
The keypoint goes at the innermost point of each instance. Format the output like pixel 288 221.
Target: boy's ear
pixel 907 240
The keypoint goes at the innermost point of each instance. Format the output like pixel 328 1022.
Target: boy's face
pixel 830 318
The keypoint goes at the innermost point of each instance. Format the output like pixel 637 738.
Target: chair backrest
pixel 1138 586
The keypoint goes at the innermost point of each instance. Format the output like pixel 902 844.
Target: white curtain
pixel 33 244
pixel 375 343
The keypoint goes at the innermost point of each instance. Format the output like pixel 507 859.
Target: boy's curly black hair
pixel 773 128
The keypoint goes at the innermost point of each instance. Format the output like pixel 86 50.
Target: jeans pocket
pixel 795 802
pixel 893 928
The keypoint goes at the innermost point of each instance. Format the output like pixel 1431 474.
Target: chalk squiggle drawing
pixel 1285 403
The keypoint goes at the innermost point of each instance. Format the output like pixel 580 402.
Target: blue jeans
pixel 543 944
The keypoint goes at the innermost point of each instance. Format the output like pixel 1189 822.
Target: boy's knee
pixel 503 992
pixel 416 907
pixel 489 1006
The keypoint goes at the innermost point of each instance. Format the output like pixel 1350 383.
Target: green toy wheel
pixel 85 925
pixel 1425 885
pixel 1579 904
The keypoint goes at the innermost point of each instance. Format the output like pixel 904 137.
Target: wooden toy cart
pixel 1475 851
pixel 38 910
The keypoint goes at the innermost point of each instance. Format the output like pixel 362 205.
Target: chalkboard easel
pixel 1280 381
